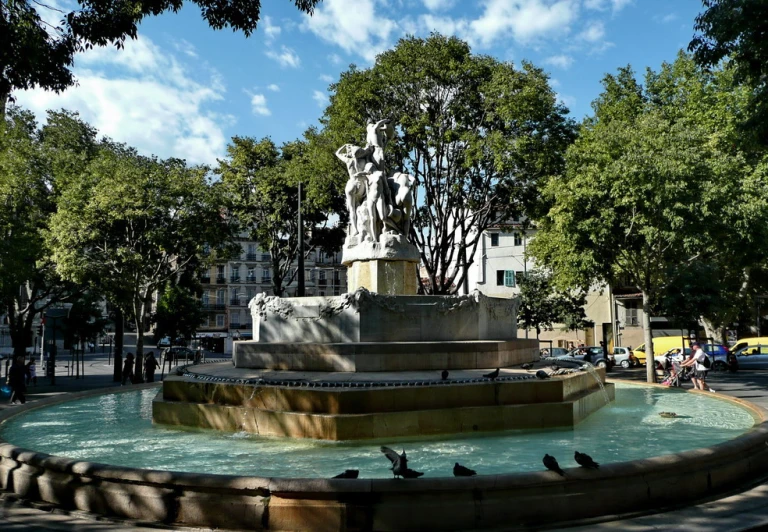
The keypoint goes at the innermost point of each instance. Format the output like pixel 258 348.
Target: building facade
pixel 230 285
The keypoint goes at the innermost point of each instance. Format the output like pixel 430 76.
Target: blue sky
pixel 183 89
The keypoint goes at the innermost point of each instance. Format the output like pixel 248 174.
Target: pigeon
pixel 584 460
pixel 551 463
pixel 461 471
pixel 492 375
pixel 444 374
pixel 349 473
pixel 541 374
pixel 399 461
pixel 527 366
pixel 410 473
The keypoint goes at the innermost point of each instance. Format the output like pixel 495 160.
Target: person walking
pixel 701 364
pixel 128 368
pixel 17 380
pixel 31 371
pixel 150 365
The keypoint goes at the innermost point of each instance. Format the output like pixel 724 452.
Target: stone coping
pixel 513 500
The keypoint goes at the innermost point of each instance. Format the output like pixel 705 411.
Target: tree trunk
pixel 138 373
pixel 117 375
pixel 650 363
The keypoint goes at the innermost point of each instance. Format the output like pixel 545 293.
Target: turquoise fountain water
pixel 117 429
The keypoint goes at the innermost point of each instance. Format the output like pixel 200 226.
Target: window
pixel 220 270
pixel 206 298
pixel 320 257
pixel 494 239
pixel 518 239
pixel 219 320
pixel 220 294
pixel 335 276
pixel 251 249
pixel 321 274
pixel 234 298
pixel 266 275
pixel 312 275
pixel 505 278
pixel 631 314
pixel 234 320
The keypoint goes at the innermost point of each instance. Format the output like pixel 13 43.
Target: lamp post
pixel 300 289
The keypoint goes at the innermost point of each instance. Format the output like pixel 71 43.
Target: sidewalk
pixel 743 511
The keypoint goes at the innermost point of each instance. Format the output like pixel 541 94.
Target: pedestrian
pixel 16 380
pixel 128 368
pixel 150 365
pixel 701 362
pixel 31 371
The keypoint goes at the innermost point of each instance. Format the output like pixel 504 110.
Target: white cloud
pixel 525 20
pixel 285 58
pixel 145 97
pixel 593 32
pixel 327 78
pixel 335 59
pixel 273 87
pixel 602 5
pixel 320 97
pixel 445 25
pixel 568 101
pixel 186 47
pixel 666 19
pixel 353 25
pixel 259 105
pixel 271 31
pixel 438 5
pixel 559 61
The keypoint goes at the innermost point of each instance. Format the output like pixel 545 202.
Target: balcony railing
pixel 240 326
pixel 251 256
pixel 220 279
pixel 214 306
pixel 235 301
pixel 322 282
pixel 265 257
pixel 234 279
pixel 266 280
pixel 206 279
pixel 250 279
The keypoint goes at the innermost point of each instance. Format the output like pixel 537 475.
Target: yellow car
pixel 661 345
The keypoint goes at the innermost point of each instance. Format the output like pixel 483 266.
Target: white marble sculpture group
pixel 378 203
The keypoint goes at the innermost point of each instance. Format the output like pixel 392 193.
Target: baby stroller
pixel 671 371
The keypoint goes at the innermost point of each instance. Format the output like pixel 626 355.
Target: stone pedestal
pixel 389 277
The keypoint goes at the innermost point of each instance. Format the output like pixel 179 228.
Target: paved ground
pixel 739 512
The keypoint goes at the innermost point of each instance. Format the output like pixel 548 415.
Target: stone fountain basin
pixel 520 500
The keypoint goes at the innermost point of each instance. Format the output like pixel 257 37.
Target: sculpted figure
pixel 355 159
pixel 377 135
pixel 401 185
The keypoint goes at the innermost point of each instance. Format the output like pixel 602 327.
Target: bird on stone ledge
pixel 399 461
pixel 550 462
pixel 584 460
pixel 527 366
pixel 492 375
pixel 349 473
pixel 461 471
pixel 444 374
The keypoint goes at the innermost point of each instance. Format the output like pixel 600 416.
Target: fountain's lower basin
pixel 493 499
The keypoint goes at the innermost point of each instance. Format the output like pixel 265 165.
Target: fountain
pixel 325 381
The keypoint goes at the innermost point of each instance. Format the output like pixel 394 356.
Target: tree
pixel 262 183
pixel 33 164
pixel 178 315
pixel 133 224
pixel 85 320
pixel 653 181
pixel 542 306
pixel 479 135
pixel 735 30
pixel 36 52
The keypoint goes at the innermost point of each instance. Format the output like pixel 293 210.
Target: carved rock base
pixel 388 277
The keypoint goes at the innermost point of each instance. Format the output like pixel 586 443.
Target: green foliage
pixel 262 186
pixel 654 184
pixel 30 170
pixel 734 30
pixel 35 53
pixel 542 306
pixel 178 315
pixel 131 224
pixel 85 321
pixel 479 135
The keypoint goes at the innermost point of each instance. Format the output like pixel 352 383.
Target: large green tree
pixel 133 224
pixel 34 163
pixel 262 182
pixel 479 135
pixel 179 313
pixel 735 30
pixel 653 182
pixel 542 305
pixel 37 52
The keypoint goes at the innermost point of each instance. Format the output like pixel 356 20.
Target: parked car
pixel 661 344
pixel 753 356
pixel 744 342
pixel 623 357
pixel 165 341
pixel 594 355
pixel 555 352
pixel 719 354
pixel 179 353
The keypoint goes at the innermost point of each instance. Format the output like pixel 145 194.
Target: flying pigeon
pixel 349 473
pixel 527 366
pixel 399 461
pixel 461 471
pixel 541 374
pixel 410 473
pixel 444 374
pixel 584 460
pixel 551 463
pixel 492 375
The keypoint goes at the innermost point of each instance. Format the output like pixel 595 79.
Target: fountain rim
pixel 757 433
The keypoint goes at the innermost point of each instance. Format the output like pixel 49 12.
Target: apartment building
pixel 229 286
